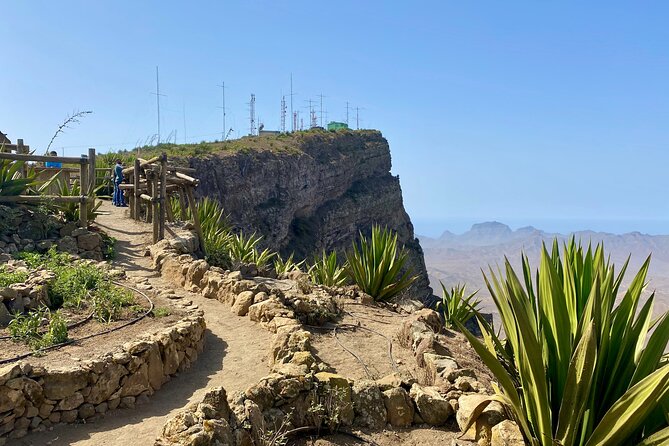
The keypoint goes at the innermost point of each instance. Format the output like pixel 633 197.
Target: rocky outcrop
pixel 316 194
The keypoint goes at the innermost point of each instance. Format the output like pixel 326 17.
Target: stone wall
pixel 301 391
pixel 24 228
pixel 35 398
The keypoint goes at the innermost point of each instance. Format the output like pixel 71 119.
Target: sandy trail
pixel 229 358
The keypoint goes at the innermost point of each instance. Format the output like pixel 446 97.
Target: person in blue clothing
pixel 117 177
pixel 54 164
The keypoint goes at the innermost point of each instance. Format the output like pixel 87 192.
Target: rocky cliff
pixel 310 191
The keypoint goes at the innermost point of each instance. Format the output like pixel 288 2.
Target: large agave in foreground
pixel 575 368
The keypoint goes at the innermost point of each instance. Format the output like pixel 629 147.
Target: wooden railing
pixel 86 177
pixel 151 184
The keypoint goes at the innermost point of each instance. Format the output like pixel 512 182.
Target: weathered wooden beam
pixel 41 158
pixel 42 198
pixel 142 163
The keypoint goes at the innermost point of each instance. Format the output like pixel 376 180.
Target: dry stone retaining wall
pixel 301 391
pixel 35 398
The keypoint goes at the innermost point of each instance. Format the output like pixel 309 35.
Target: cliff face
pixel 316 192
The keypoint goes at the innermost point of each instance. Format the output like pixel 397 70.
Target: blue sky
pixel 547 113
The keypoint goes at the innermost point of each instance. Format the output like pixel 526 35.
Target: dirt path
pixel 229 358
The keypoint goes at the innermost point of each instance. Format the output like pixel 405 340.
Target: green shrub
pixel 161 312
pixel 455 307
pixel 109 301
pixel 26 326
pixel 56 332
pixel 108 246
pixel 375 265
pixel 326 271
pixel 576 368
pixel 8 278
pixel 73 283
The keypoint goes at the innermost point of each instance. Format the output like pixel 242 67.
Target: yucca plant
pixel 287 266
pixel 375 265
pixel 326 271
pixel 243 249
pixel 456 306
pixel 11 181
pixel 575 368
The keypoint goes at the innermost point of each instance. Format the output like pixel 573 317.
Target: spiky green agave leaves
pixel 11 182
pixel 457 306
pixel 375 265
pixel 575 368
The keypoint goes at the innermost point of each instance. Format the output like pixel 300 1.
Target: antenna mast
pixel 321 97
pixel 252 114
pixel 347 112
pixel 283 114
pixel 158 95
pixel 224 127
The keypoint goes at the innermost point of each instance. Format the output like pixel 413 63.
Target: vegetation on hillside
pixel 576 368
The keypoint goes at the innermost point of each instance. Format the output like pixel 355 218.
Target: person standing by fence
pixel 118 199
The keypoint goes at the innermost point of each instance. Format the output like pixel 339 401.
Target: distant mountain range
pixel 459 258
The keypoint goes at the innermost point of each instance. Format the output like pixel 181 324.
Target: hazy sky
pixel 524 112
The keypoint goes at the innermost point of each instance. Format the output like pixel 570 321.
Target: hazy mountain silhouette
pixel 459 258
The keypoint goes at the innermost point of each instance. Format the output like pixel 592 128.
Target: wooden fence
pixel 86 177
pixel 151 185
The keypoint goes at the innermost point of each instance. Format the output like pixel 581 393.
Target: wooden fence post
pixel 137 202
pixel 21 149
pixel 155 199
pixel 182 203
pixel 163 194
pixel 92 177
pixel 83 183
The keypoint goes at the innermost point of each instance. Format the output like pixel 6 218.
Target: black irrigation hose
pixel 72 341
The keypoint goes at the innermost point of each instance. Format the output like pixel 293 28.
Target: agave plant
pixel 456 307
pixel 70 211
pixel 243 249
pixel 11 181
pixel 286 266
pixel 375 265
pixel 326 271
pixel 575 368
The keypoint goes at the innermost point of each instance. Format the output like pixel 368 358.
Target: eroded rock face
pixel 315 197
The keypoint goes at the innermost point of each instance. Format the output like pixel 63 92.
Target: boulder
pixel 89 241
pixel 196 272
pixel 433 408
pixel 399 407
pixel 337 387
pixel 60 384
pixel 107 383
pixel 68 244
pixel 482 429
pixel 217 399
pixel 10 398
pixel 242 303
pixel 370 410
pixel 507 433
